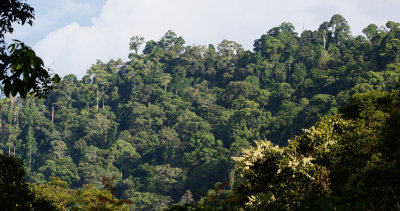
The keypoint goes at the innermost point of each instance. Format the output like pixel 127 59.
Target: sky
pixel 70 35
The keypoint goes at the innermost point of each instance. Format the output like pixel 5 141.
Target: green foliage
pixel 14 191
pixel 62 197
pixel 149 201
pixel 27 72
pixel 21 71
pixel 344 162
pixel 168 120
pixel 14 11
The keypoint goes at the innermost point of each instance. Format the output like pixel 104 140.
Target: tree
pixel 344 162
pixel 13 11
pixel 228 52
pixel 21 71
pixel 123 155
pixel 14 191
pixel 236 89
pixel 64 168
pixel 393 26
pixel 101 77
pixel 392 50
pixel 93 166
pixel 99 128
pixel 339 28
pixel 62 197
pixel 135 43
pixel 168 179
pixel 149 201
pixel 171 42
pixel 324 32
pixel 57 192
pixel 370 31
pixel 169 142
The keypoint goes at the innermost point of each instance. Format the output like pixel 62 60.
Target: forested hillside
pixel 167 122
pixel 344 162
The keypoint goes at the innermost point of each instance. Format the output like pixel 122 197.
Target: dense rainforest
pixel 170 124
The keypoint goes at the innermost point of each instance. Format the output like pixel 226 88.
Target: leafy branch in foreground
pixel 24 72
pixel 21 71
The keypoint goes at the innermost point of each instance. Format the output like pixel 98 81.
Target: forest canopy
pixel 344 162
pixel 167 122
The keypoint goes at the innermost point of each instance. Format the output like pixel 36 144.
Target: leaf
pixel 56 78
pixel 14 89
pixel 7 87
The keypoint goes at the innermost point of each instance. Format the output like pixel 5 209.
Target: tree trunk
pixel 30 155
pixel 232 177
pixel 97 98
pixel 52 113
pixel 1 122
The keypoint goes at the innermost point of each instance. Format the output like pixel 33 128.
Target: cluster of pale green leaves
pixel 269 169
pixel 89 197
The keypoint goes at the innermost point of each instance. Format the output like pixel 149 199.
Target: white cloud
pixel 51 15
pixel 62 8
pixel 73 48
